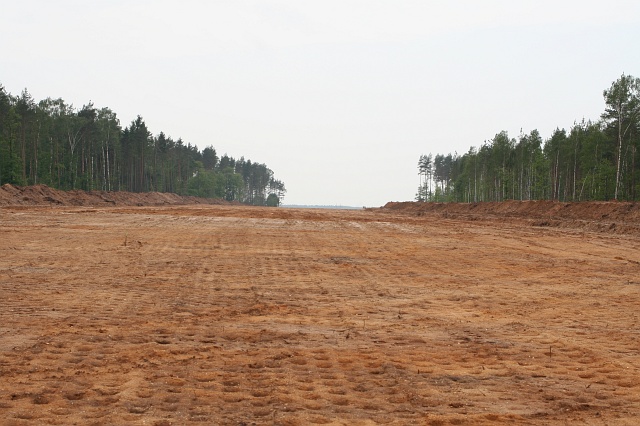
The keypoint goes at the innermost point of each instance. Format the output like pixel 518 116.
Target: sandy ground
pixel 237 315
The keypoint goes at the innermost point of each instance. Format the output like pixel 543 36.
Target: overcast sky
pixel 338 97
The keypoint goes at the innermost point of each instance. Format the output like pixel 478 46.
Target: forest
pixel 594 160
pixel 50 142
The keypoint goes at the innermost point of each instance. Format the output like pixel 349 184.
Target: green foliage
pixel 209 158
pixel 205 184
pixel 593 161
pixel 9 166
pixel 622 115
pixel 273 201
pixel 232 185
pixel 52 142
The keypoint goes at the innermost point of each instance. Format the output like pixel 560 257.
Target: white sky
pixel 338 97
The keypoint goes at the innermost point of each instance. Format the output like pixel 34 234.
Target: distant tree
pixel 622 112
pixel 273 201
pixel 9 125
pixel 25 108
pixel 226 162
pixel 425 171
pixel 204 183
pixel 233 185
pixel 209 158
pixel 109 130
pixel 593 161
pixel 276 188
pixel 51 142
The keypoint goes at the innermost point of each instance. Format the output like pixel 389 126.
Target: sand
pixel 164 315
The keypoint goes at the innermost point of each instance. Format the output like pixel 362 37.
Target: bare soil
pixel 38 195
pixel 235 315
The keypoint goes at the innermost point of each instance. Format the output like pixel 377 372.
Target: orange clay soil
pixel 237 315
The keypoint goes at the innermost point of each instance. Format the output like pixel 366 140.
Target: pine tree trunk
pixel 619 155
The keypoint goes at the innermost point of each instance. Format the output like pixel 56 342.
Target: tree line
pixel 50 142
pixel 594 160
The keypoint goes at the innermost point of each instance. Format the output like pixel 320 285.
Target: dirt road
pixel 237 315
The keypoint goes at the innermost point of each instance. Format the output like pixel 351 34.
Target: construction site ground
pixel 407 314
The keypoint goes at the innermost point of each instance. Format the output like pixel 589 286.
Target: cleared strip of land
pixel 237 315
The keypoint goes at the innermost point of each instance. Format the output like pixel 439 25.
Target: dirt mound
pixel 619 217
pixel 43 195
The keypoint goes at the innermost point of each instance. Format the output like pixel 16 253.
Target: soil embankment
pixel 615 217
pixel 35 195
